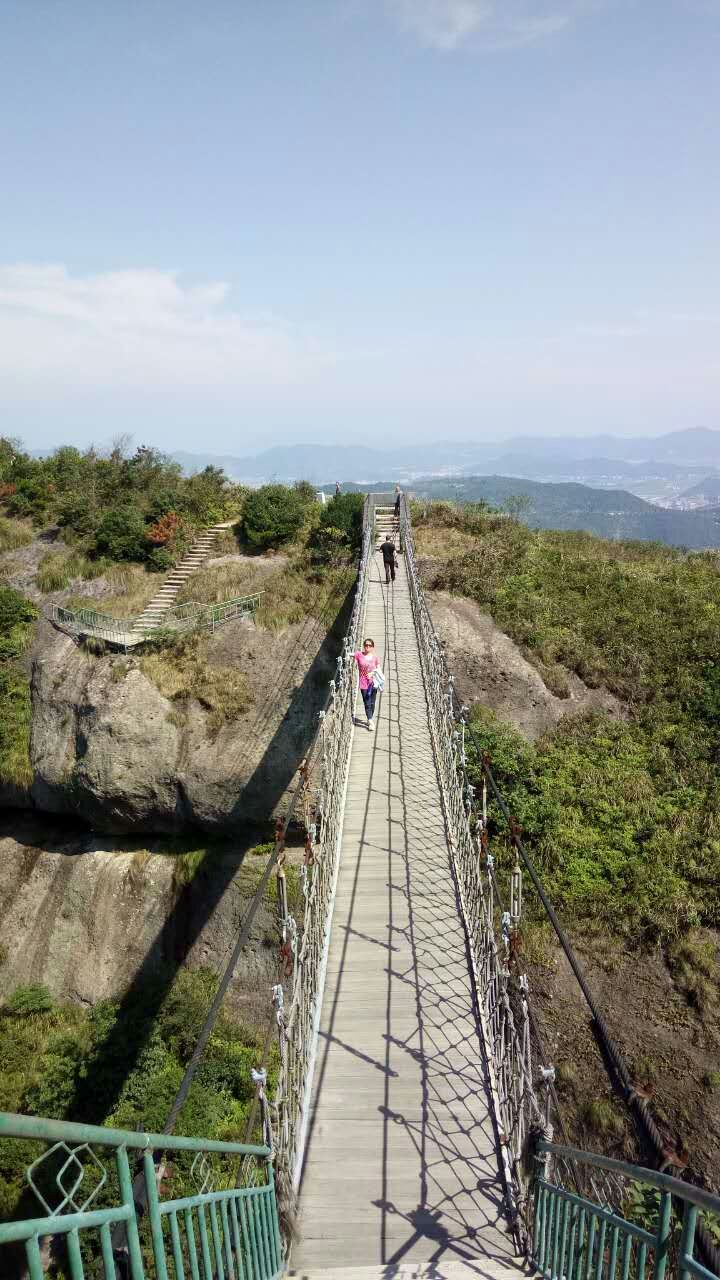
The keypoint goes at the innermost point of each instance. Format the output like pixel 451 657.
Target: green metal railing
pixel 184 617
pixel 600 1219
pixel 130 631
pixel 228 1229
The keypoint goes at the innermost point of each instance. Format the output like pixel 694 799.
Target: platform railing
pixel 603 1219
pixel 130 631
pixel 211 1206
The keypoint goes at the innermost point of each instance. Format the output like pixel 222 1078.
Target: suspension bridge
pixel 410 1133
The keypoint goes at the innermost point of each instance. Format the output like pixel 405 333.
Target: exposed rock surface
pixel 489 668
pixel 88 917
pixel 107 747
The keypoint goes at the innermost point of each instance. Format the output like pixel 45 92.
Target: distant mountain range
pixel 660 466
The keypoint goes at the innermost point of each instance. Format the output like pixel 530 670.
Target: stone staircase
pixel 386 524
pixel 153 615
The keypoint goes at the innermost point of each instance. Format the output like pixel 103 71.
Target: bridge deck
pixel 401 1162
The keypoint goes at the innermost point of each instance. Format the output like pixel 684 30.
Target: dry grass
pixel 240 577
pixel 59 568
pixel 291 592
pixel 13 534
pixel 600 1118
pixel 182 673
pixel 693 963
pixel 430 541
pixel 226 544
pixel 129 589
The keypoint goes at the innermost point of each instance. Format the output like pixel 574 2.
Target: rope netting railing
pixel 522 1099
pixel 522 1080
pixel 320 798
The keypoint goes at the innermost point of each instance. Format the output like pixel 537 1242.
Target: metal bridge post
pixel 663 1236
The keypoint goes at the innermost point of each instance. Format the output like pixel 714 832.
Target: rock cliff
pixel 109 748
pixel 88 917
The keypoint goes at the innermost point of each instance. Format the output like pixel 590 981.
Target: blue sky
pixel 230 225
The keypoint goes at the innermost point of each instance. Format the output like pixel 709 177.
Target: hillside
pixel 619 811
pixel 608 513
pixel 708 488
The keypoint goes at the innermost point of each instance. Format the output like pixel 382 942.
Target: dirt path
pixel 489 668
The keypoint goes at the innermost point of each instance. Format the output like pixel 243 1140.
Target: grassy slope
pixel 16 624
pixel 623 817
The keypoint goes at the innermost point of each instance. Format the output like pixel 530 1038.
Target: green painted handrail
pixel 15 1126
pixel 224 1230
pixel 589 1231
pixel 180 617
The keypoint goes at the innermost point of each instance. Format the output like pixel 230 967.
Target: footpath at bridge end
pixel 411 1131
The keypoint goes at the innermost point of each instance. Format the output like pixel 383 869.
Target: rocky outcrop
pixel 88 917
pixel 107 747
pixel 490 669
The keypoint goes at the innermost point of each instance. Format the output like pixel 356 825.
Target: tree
pixel 121 535
pixel 272 515
pixel 344 513
pixel 306 491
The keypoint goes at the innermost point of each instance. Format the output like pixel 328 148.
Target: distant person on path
pixel 337 488
pixel 389 553
pixel 398 495
pixel 367 663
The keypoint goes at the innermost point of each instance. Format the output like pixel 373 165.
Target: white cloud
pixel 495 24
pixel 139 328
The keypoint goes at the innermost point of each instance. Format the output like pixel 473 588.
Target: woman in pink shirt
pixel 367 662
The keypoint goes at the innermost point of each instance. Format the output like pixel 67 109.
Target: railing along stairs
pixel 213 1212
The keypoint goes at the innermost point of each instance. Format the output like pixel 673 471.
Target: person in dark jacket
pixel 388 554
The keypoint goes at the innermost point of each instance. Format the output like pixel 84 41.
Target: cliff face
pixel 109 748
pixel 88 917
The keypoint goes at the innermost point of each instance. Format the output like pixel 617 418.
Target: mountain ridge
pixel 694 447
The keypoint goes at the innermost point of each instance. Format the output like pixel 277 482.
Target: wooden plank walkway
pixel 401 1163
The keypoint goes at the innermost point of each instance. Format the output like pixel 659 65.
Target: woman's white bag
pixel 378 679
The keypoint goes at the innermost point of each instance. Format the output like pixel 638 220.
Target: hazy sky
pixel 234 224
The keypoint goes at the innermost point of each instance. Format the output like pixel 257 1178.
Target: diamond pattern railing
pixel 210 1207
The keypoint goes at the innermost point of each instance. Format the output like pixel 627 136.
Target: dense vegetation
pixel 120 507
pixel 118 516
pixel 623 816
pixel 16 619
pixel 50 1052
pixel 140 507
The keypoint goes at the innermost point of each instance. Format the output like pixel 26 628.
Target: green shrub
pixel 28 1000
pixel 121 535
pixel 78 513
pixel 160 560
pixel 341 515
pixel 272 516
pixel 306 492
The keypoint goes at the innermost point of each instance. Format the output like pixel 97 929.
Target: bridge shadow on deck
pixel 435 1184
